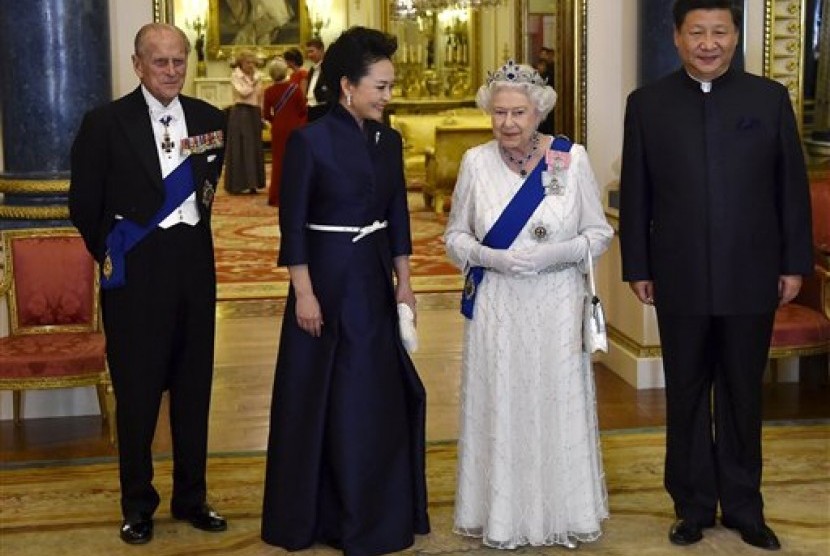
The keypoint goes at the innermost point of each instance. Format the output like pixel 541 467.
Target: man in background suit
pixel 144 171
pixel 715 233
pixel 317 93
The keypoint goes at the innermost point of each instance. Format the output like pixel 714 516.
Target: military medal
pixel 106 268
pixel 166 143
pixel 208 193
pixel 199 144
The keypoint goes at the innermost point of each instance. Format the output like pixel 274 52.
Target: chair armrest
pixel 815 291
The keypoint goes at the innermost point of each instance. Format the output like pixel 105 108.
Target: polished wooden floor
pixel 246 347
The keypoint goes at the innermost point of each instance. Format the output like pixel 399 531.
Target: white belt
pixel 360 231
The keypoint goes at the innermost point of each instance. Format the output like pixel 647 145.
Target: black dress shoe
pixel 759 536
pixel 684 532
pixel 204 518
pixel 137 531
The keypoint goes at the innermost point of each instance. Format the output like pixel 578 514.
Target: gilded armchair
pixel 50 283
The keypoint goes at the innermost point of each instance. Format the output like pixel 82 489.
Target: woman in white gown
pixel 529 462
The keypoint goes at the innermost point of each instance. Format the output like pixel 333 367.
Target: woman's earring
pixel 348 99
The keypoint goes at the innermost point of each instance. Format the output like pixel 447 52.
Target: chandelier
pixel 409 9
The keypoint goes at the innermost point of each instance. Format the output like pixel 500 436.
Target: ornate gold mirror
pixel 796 52
pixel 562 25
pixel 437 58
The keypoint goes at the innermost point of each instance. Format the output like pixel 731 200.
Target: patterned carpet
pixel 246 241
pixel 72 509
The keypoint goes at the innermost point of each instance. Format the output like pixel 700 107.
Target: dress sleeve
pixel 592 222
pixel 298 171
pixel 459 236
pixel 397 213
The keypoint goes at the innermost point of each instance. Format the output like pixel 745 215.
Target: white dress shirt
pixel 311 100
pixel 188 211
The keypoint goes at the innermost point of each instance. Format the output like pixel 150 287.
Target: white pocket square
pixel 211 157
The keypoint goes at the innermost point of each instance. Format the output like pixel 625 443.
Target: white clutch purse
pixel 406 324
pixel 594 335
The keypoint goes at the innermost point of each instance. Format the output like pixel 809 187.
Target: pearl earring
pixel 348 99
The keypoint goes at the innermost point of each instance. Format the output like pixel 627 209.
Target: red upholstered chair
pixel 802 328
pixel 55 339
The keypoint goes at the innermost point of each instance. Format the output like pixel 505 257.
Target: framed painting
pixel 265 26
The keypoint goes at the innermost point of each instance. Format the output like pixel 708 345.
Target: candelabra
pixel 198 25
pixel 318 12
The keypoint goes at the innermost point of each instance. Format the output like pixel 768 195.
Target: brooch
pixel 539 231
pixel 469 288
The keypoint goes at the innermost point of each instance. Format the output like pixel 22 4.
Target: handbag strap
pixel 591 284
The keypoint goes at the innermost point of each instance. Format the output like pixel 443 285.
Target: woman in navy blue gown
pixel 346 447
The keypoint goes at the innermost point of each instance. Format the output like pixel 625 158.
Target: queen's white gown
pixel 529 463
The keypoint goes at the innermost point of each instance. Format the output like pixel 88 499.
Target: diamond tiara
pixel 512 72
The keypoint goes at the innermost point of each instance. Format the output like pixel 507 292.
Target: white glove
pixel 546 255
pixel 406 323
pixel 500 260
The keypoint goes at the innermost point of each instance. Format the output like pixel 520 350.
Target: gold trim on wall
pixel 632 346
pixel 163 11
pixel 33 186
pixel 784 48
pixel 17 212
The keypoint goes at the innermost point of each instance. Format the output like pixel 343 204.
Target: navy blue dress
pixel 346 446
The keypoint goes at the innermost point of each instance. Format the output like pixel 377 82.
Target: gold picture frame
pixel 571 50
pixel 255 25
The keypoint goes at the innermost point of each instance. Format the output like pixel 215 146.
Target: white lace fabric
pixel 529 461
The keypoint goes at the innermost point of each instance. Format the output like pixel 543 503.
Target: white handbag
pixel 594 335
pixel 406 324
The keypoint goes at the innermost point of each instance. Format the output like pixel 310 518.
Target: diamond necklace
pixel 522 160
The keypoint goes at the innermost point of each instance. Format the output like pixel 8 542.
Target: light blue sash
pixel 178 185
pixel 510 223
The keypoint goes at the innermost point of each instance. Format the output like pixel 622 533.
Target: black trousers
pixel 713 368
pixel 160 331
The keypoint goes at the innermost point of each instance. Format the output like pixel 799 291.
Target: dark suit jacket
pixel 115 166
pixel 714 202
pixel 320 88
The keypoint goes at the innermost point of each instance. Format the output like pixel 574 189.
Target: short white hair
pixel 542 97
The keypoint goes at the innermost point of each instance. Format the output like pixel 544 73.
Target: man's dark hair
pixel 682 7
pixel 294 56
pixel 316 43
pixel 352 53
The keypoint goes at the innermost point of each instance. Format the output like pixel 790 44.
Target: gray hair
pixel 542 97
pixel 141 36
pixel 278 69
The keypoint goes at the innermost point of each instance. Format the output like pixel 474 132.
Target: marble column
pixel 54 66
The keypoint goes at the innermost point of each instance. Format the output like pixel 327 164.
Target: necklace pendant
pixel 523 172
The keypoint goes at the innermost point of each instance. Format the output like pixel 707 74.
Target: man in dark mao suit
pixel 160 322
pixel 715 233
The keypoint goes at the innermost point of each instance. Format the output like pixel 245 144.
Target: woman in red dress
pixel 299 75
pixel 284 105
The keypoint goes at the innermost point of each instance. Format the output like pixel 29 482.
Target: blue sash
pixel 178 186
pixel 510 223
